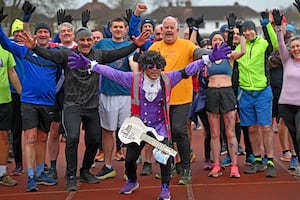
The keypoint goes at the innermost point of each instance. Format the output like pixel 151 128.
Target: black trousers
pixel 16 130
pixel 179 118
pixel 72 119
pixel 133 151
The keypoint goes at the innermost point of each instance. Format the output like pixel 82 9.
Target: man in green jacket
pixel 255 94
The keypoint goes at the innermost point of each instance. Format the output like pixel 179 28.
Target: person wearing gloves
pixel 153 88
pixel 81 99
pixel 255 93
pixel 289 100
pixel 36 102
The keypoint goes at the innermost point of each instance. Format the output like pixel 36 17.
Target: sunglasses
pixel 152 66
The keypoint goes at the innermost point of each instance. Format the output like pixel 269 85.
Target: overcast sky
pixel 257 5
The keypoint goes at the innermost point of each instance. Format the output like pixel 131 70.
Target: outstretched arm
pixel 217 54
pixel 79 61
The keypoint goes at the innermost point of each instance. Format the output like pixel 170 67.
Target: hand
pixel 68 18
pixel 297 5
pixel 78 61
pixel 198 21
pixel 60 16
pixel 265 18
pixel 140 8
pixel 277 17
pixel 141 39
pixel 219 52
pixel 27 40
pixel 239 25
pixel 106 31
pixel 231 20
pixel 85 17
pixel 2 16
pixel 190 21
pixel 28 9
pixel 129 13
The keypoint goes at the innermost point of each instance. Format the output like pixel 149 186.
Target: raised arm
pixel 133 26
pixel 283 51
pixel 28 9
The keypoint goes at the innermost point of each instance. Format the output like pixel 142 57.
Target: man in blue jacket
pixel 37 101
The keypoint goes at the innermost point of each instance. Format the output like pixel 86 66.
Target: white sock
pixel 2 170
pixel 108 166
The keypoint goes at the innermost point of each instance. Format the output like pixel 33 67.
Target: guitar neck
pixel 160 146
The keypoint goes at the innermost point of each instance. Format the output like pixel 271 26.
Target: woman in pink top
pixel 289 100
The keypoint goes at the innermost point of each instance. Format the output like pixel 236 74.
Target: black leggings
pixel 133 151
pixel 291 116
pixel 204 120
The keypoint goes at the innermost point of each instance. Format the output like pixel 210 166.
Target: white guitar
pixel 134 130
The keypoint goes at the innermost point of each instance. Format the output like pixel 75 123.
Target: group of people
pixel 94 86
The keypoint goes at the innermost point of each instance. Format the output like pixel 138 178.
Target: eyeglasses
pixel 152 66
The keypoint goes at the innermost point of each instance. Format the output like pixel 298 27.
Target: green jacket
pixel 253 70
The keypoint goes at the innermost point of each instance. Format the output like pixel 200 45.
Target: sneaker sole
pixel 8 184
pixel 45 183
pixel 32 190
pixel 133 189
pixel 292 168
pixel 215 175
pixel 106 176
pixel 86 181
pixel 119 159
pixel 235 176
pixel 71 189
pixel 181 182
pixel 285 159
pixel 161 198
pixel 99 160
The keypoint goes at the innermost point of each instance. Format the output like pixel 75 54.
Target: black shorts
pixel 36 116
pixel 220 100
pixel 6 111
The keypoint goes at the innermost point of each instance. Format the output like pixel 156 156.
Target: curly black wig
pixel 150 58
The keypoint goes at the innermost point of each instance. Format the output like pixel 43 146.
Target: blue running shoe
pixel 31 185
pixel 265 161
pixel 293 163
pixel 44 179
pixel 250 159
pixel 226 162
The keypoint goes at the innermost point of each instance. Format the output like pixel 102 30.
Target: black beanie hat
pixel 41 25
pixel 212 35
pixel 147 20
pixel 248 24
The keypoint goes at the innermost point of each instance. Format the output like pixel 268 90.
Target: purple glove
pixel 78 61
pixel 220 53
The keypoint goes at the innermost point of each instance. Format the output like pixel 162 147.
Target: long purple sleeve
pixel 125 78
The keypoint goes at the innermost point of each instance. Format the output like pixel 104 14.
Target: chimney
pixel 188 4
pixel 95 1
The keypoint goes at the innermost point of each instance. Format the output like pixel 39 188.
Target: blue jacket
pixel 40 75
pixel 133 30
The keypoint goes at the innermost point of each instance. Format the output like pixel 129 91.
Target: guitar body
pixel 134 130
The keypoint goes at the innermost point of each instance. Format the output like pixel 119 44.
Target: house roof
pixel 98 10
pixel 209 12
